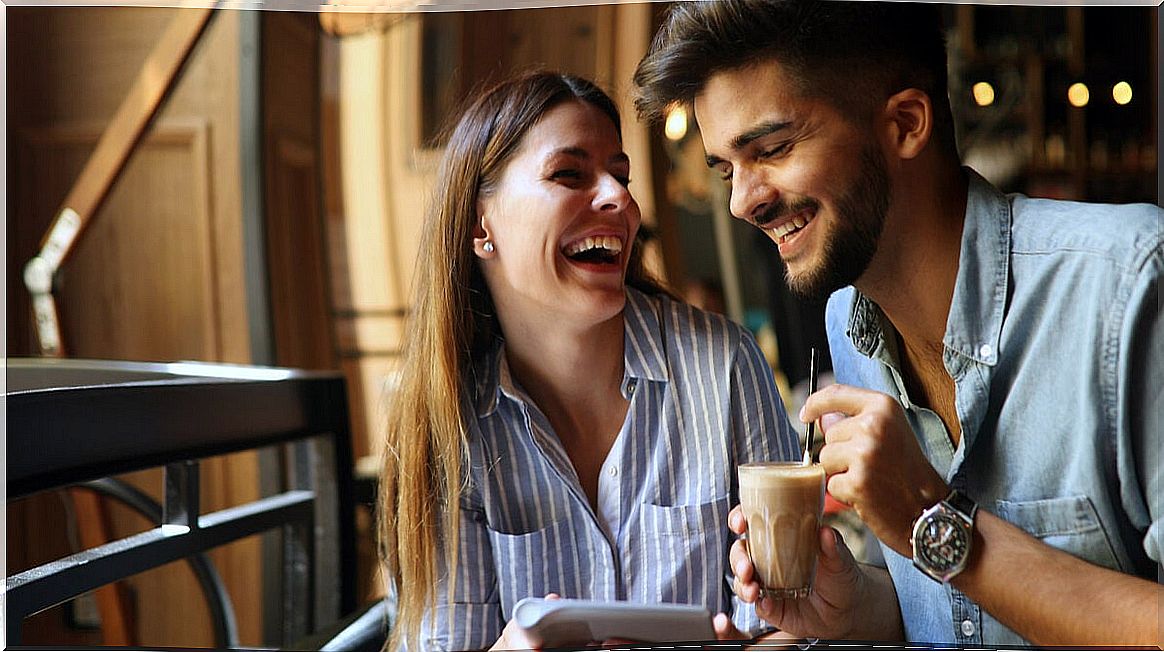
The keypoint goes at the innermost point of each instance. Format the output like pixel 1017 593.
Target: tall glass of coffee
pixel 783 502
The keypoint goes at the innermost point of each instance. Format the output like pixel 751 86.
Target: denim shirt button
pixel 985 350
pixel 967 628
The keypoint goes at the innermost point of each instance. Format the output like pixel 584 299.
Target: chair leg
pixel 113 603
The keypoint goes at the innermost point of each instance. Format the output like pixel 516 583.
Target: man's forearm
pixel 1052 598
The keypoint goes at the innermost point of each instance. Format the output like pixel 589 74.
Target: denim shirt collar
pixel 645 363
pixel 974 325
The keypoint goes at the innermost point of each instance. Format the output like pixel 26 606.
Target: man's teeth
pixel 610 243
pixel 791 225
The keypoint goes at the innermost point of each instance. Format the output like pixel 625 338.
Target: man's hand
pixel 829 612
pixel 874 462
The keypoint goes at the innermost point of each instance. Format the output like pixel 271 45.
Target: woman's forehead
pixel 573 128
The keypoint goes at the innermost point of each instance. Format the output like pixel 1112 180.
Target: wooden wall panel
pixel 159 275
pixel 164 242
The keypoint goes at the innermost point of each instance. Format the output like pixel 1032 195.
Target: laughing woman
pixel 562 426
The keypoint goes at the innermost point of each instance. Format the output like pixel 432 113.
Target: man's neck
pixel 912 276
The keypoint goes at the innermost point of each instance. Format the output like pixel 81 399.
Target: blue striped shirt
pixel 702 400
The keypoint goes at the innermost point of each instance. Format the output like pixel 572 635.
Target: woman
pixel 562 426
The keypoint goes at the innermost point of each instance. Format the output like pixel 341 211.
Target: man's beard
pixel 860 218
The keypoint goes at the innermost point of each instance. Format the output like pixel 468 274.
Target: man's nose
pixel 752 195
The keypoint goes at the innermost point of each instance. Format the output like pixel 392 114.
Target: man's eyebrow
pixel 742 140
pixel 759 131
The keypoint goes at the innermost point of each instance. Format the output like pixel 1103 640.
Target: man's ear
pixel 909 118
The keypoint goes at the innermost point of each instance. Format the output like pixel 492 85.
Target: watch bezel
pixel 963 526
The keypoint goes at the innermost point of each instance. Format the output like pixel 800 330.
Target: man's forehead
pixel 736 102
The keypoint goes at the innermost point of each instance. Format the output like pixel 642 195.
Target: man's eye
pixel 774 151
pixel 566 174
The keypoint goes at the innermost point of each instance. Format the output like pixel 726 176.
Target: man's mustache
pixel 782 208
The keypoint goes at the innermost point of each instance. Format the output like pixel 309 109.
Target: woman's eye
pixel 566 174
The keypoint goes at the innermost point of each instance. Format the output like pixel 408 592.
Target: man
pixel 1001 359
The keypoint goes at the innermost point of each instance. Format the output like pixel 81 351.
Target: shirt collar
pixel 974 326
pixel 644 355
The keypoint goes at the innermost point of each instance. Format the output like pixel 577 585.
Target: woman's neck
pixel 569 373
pixel 574 377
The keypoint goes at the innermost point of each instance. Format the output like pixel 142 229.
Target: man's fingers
pixel 840 398
pixel 835 554
pixel 736 521
pixel 738 558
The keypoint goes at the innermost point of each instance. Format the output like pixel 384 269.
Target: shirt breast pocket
pixel 681 552
pixel 533 564
pixel 1070 524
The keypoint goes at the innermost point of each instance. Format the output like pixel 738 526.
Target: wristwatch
pixel 942 536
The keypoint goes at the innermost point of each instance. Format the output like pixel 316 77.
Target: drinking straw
pixel 811 390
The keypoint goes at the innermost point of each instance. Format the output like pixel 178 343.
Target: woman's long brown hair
pixel 450 325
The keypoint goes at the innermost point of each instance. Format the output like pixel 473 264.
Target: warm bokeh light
pixel 1078 95
pixel 676 126
pixel 1121 93
pixel 983 94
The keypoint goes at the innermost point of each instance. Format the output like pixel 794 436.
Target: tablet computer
pixel 565 622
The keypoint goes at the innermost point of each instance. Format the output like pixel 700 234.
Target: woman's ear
pixel 482 243
pixel 909 117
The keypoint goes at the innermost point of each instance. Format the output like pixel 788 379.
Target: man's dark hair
pixel 851 54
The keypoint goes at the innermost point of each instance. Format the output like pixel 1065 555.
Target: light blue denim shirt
pixel 1055 343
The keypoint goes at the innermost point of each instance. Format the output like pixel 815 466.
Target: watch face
pixel 943 543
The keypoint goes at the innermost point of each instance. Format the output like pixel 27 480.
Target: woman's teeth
pixel 610 244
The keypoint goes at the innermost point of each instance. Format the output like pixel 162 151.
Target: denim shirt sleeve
pixel 1140 394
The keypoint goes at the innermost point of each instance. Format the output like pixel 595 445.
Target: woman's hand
pixel 516 637
pixel 725 629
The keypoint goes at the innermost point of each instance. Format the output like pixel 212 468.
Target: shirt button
pixel 613 471
pixel 630 386
pixel 985 350
pixel 967 628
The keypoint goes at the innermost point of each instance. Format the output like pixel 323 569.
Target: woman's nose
pixel 612 195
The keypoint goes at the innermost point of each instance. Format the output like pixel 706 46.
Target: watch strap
pixel 962 503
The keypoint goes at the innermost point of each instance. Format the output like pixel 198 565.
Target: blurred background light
pixel 983 94
pixel 676 126
pixel 1122 93
pixel 1078 95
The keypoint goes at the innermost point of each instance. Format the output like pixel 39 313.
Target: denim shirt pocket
pixel 1070 524
pixel 682 553
pixel 532 564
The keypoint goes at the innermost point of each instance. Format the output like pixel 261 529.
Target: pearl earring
pixel 488 246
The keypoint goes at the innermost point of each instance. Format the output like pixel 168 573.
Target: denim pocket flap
pixel 1051 516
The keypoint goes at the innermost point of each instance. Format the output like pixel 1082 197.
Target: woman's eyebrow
pixel 573 150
